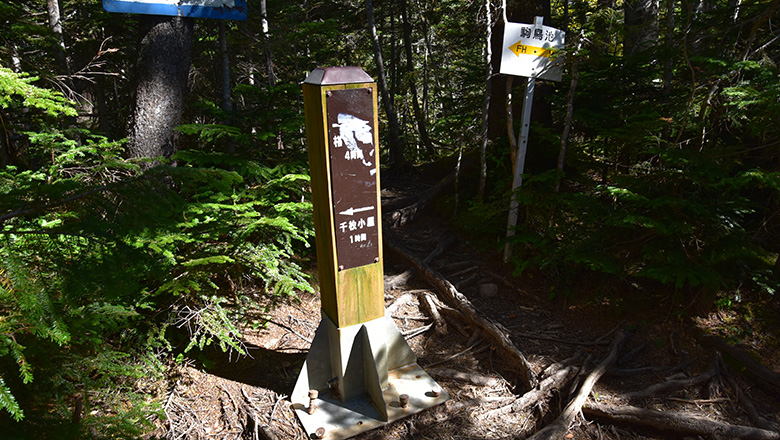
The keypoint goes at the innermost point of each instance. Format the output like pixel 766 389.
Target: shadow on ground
pixel 270 369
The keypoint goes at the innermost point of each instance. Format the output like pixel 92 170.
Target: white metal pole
pixel 517 180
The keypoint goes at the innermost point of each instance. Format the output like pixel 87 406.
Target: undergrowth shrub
pixel 671 178
pixel 636 230
pixel 101 260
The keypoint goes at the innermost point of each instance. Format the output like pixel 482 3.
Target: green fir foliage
pixel 108 271
pixel 17 91
pixel 671 181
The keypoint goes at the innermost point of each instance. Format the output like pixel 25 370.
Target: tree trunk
pixel 396 142
pixel 163 68
pixel 5 150
pixel 641 21
pixel 510 121
pixel 418 114
pixel 518 11
pixel 486 104
pixel 104 116
pixel 496 107
pixel 426 70
pixel 224 62
pixel 669 45
pixel 55 22
pixel 269 64
pixel 227 99
pixel 393 86
pixel 575 77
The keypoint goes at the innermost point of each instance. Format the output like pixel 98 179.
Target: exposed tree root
pixel 762 374
pixel 556 377
pixel 684 424
pixel 672 385
pixel 747 404
pixel 452 296
pixel 433 309
pixel 558 428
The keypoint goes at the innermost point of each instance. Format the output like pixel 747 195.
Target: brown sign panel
pixel 354 167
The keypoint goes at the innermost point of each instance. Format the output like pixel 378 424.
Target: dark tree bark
pixel 224 79
pixel 269 64
pixel 224 64
pixel 55 22
pixel 104 116
pixel 163 68
pixel 669 44
pixel 395 139
pixel 5 157
pixel 486 103
pixel 497 107
pixel 418 113
pixel 393 64
pixel 641 21
pixel 426 69
pixel 575 78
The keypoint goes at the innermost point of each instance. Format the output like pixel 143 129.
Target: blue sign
pixel 222 9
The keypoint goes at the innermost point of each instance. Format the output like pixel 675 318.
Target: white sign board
pixel 223 9
pixel 529 50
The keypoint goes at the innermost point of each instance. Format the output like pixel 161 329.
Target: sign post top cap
pixel 337 75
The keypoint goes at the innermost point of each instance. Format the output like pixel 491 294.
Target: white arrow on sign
pixel 352 211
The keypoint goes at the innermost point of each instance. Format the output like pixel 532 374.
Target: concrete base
pixel 360 372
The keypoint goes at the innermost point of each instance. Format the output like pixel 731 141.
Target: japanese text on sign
pixel 529 50
pixel 353 176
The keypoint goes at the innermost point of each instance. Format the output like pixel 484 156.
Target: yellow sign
pixel 540 47
pixel 519 48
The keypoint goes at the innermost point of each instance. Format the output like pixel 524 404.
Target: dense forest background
pixel 653 170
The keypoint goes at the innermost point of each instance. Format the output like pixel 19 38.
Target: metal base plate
pixel 341 420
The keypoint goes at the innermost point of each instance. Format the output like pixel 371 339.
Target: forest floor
pixel 247 397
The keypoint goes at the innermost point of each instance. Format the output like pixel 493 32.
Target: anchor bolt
pixel 312 407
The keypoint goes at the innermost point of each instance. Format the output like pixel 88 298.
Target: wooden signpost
pixel 360 373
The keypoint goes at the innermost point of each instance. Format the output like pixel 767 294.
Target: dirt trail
pixel 246 398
